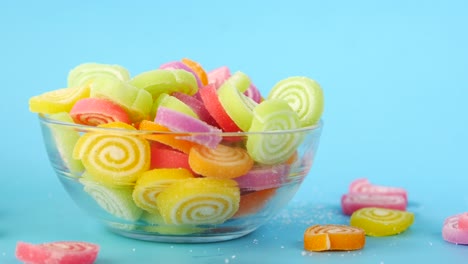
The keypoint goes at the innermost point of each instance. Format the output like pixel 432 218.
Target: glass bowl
pixel 140 188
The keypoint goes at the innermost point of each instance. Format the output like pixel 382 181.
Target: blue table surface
pixel 395 78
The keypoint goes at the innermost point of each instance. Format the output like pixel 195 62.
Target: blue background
pixel 394 74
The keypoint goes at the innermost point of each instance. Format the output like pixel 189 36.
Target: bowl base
pixel 193 238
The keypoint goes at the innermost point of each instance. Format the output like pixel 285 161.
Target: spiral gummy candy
pixel 59 252
pixel 199 201
pixel 56 101
pixel 220 162
pixel 152 182
pixel 114 159
pixel 115 200
pixel 333 237
pixel 86 73
pixel 381 221
pixel 303 94
pixel 275 147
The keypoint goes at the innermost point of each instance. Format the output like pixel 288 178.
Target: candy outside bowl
pixel 164 186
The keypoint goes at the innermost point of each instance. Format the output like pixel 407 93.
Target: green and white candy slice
pixel 304 95
pixel 238 106
pixel 86 72
pixel 167 81
pixel 65 138
pixel 275 145
pixel 117 201
pixel 137 102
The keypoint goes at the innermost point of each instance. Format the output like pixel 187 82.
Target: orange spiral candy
pixel 333 237
pixel 220 162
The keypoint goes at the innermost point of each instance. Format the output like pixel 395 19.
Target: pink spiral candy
pixel 97 111
pixel 60 252
pixel 354 201
pixel 454 229
pixel 364 186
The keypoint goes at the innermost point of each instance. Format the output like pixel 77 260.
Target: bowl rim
pixel 43 118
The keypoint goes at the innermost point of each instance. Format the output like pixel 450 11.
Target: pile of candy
pixel 375 210
pixel 158 153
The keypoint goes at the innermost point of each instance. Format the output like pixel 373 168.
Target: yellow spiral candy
pixel 152 182
pixel 381 222
pixel 113 158
pixel 56 101
pixel 199 201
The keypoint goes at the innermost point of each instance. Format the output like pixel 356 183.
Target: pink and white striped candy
pixel 354 201
pixel 97 111
pixel 451 230
pixel 200 132
pixel 60 252
pixel 363 185
pixel 264 177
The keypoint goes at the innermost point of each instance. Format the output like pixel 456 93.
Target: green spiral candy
pixel 86 72
pixel 304 95
pixel 273 147
pixel 117 201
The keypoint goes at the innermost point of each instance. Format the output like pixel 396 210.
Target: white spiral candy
pixel 304 95
pixel 276 144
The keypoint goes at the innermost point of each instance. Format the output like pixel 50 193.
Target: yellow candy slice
pixel 381 222
pixel 113 158
pixel 152 182
pixel 199 201
pixel 56 101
